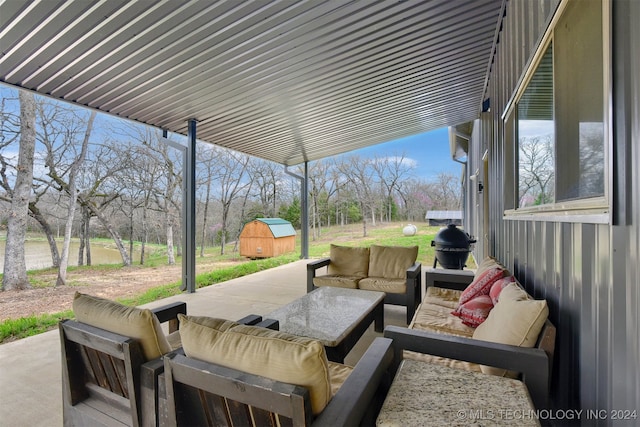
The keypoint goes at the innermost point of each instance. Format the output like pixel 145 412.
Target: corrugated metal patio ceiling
pixel 287 81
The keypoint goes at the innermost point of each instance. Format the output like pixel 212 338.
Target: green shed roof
pixel 279 227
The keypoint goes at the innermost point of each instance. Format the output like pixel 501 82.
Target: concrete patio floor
pixel 30 369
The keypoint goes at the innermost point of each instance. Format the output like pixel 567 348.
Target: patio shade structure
pixel 289 81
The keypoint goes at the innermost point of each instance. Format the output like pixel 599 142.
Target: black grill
pixel 452 247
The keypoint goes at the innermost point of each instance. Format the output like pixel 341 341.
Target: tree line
pixel 67 172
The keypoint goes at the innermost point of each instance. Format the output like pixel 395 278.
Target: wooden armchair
pixel 106 377
pixel 207 394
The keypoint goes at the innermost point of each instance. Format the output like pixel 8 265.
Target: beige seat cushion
pixel 259 351
pixel 137 323
pixel 348 261
pixel 337 281
pixel 516 319
pixel 436 318
pixel 338 374
pixel 174 340
pixel 380 284
pixel 442 296
pixel 391 262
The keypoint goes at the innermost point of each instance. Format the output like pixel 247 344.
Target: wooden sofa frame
pixel 535 364
pixel 206 394
pixel 410 299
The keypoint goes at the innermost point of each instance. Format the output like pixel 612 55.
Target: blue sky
pixel 429 150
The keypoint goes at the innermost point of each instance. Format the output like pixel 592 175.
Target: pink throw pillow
pixel 498 286
pixel 474 311
pixel 481 285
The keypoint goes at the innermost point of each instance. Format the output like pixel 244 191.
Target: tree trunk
pixel 145 235
pixel 364 221
pixel 223 229
pixel 82 240
pixel 204 219
pixel 126 261
pixel 171 259
pixel 131 228
pixel 87 235
pixel 73 197
pixel 241 225
pixel 48 232
pixel 15 269
pixel 85 243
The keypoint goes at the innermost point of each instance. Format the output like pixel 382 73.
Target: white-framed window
pixel 558 121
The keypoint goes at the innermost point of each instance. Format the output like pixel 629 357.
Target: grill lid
pixel 452 237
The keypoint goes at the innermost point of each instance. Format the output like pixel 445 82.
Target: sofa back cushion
pixel 137 323
pixel 259 351
pixel 348 261
pixel 498 286
pixel 486 263
pixel 516 319
pixel 391 262
pixel 210 322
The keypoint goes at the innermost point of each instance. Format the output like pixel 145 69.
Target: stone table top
pixel 327 314
pixel 426 394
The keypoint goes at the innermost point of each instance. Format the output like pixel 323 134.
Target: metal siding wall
pixel 602 312
pixel 624 381
pixel 633 273
pixel 587 273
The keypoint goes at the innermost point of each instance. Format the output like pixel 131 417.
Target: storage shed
pixel 267 237
pixel 444 217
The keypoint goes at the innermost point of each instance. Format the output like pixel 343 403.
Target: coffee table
pixel 337 317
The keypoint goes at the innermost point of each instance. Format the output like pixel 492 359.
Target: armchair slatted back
pixel 205 394
pixel 101 375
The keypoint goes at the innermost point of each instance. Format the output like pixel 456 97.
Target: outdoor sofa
pixel 389 269
pixel 484 323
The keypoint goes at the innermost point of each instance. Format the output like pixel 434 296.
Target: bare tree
pixel 158 170
pixel 360 173
pixel 207 160
pixel 74 170
pixel 266 177
pixel 233 181
pixel 415 198
pixel 15 270
pixel 321 188
pixel 9 134
pixel 138 183
pixel 445 192
pixel 59 130
pixel 167 188
pixel 391 172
